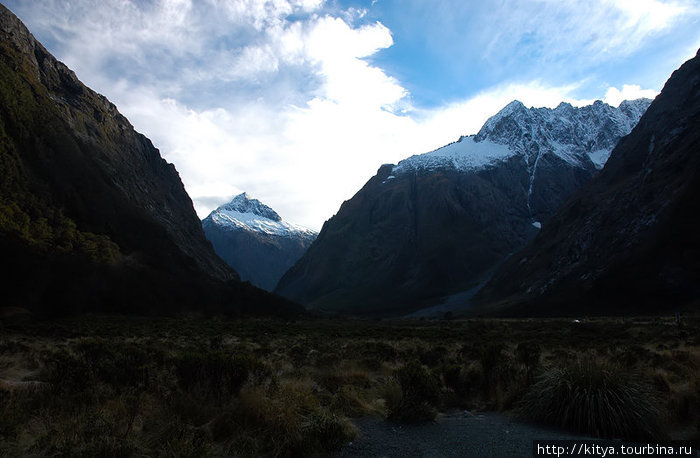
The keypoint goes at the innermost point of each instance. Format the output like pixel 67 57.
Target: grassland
pixel 127 386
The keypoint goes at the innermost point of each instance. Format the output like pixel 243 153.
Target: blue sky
pixel 298 102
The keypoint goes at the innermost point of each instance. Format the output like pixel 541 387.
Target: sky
pixel 299 102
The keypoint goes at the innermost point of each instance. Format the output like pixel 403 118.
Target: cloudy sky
pixel 298 102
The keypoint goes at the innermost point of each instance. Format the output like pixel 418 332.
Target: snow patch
pixel 599 157
pixel 249 214
pixel 537 224
pixel 465 154
pixel 257 223
pixel 573 134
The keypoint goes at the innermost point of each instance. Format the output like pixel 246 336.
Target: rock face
pixel 91 216
pixel 438 223
pixel 252 238
pixel 628 241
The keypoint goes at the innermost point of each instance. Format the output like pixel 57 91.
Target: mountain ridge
pixel 627 241
pixel 436 224
pixel 92 218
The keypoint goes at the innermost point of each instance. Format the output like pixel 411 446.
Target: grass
pixel 115 386
pixel 596 398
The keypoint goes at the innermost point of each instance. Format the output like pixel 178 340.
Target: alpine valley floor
pixel 128 386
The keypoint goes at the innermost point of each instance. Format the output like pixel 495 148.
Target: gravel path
pixel 452 435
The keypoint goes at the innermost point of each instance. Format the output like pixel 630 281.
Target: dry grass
pixel 596 398
pixel 110 386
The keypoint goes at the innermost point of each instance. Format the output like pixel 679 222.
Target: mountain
pixel 254 240
pixel 627 242
pixel 91 216
pixel 438 223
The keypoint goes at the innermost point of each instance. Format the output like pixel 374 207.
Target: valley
pixel 95 385
pixel 538 279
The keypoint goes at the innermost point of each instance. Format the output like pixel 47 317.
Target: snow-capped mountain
pixel 580 137
pixel 253 239
pixel 438 223
pixel 627 242
pixel 252 215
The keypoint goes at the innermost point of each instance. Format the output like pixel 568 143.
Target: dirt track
pixel 453 435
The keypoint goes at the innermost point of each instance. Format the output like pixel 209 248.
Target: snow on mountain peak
pixel 581 136
pixel 243 203
pixel 244 212
pixel 464 154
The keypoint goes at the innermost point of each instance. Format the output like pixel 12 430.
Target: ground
pixel 134 386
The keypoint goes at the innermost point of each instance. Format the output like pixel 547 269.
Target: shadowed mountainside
pixel 91 216
pixel 628 241
pixel 439 223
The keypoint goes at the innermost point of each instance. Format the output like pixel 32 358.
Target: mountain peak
pixel 244 212
pixel 244 203
pixel 253 239
pixel 514 105
pixel 580 136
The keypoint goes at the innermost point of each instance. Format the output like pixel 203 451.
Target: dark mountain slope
pixel 91 217
pixel 629 241
pixel 437 224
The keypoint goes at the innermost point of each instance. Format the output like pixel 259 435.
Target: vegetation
pixel 600 399
pixel 27 210
pixel 114 386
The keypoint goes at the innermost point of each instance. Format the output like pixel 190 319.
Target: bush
pixel 212 374
pixel 433 356
pixel 117 364
pixel 286 421
pixel 528 354
pixel 86 435
pixel 594 398
pixel 66 373
pixel 348 400
pixel 419 394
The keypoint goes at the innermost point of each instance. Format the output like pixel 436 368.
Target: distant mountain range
pixel 252 238
pixel 542 212
pixel 92 218
pixel 628 241
pixel 438 224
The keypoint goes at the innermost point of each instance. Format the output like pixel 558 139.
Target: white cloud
pixel 614 96
pixel 649 15
pixel 240 96
pixel 593 30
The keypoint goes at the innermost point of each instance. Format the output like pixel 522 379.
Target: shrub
pixel 594 398
pixel 88 434
pixel 348 400
pixel 378 349
pixel 11 416
pixel 433 356
pixel 288 421
pixel 117 364
pixel 66 373
pixel 178 439
pixel 212 374
pixel 528 354
pixel 419 394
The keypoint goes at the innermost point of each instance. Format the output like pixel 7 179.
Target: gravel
pixel 461 434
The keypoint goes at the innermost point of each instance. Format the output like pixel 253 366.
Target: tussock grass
pixel 597 398
pixel 114 386
pixel 414 395
pixel 288 421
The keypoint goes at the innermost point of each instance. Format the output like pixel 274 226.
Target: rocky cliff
pixel 438 223
pixel 628 241
pixel 91 216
